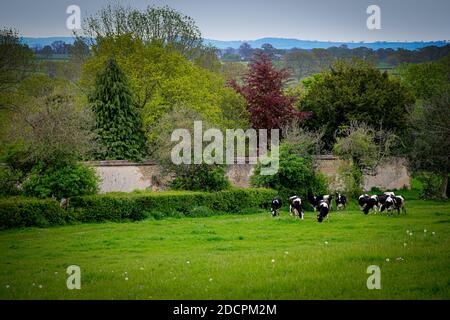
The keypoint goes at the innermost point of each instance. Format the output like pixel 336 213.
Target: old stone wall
pixel 125 176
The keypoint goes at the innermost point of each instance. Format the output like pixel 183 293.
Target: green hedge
pixel 26 212
pixel 137 206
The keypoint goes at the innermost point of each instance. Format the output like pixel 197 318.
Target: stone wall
pixel 125 176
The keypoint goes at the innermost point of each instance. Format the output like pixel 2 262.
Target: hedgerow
pixel 26 212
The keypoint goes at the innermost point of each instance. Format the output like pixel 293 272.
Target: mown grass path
pixel 235 257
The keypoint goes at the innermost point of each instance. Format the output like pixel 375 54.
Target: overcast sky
pixel 335 20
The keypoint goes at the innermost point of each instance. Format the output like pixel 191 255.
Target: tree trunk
pixel 444 185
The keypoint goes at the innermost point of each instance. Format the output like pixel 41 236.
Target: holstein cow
pixel 341 201
pixel 366 202
pixel 362 200
pixel 296 206
pixel 382 199
pixel 371 202
pixel 324 211
pixel 315 200
pixel 394 203
pixel 276 205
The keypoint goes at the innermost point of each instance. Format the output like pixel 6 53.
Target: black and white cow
pixel 394 203
pixel 362 200
pixel 276 205
pixel 296 206
pixel 324 210
pixel 371 203
pixel 315 200
pixel 341 201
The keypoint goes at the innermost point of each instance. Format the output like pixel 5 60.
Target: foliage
pixel 301 141
pixel 351 176
pixel 427 80
pixel 28 212
pixel 431 185
pixel 162 24
pixel 16 60
pixel 118 123
pixel 163 81
pixel 61 181
pixel 45 125
pixel 201 177
pixel 233 71
pixel 18 212
pixel 9 181
pixel 263 90
pixel 295 175
pixel 364 148
pixel 123 206
pixel 428 138
pixel 356 92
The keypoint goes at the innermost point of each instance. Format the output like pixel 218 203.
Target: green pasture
pixel 251 256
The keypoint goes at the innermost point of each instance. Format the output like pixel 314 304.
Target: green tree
pixel 364 148
pixel 118 122
pixel 427 80
pixel 46 133
pixel 356 91
pixel 163 81
pixel 155 24
pixel 16 62
pixel 202 176
pixel 295 175
pixel 429 138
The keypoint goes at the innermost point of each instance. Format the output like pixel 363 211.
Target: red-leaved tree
pixel 269 106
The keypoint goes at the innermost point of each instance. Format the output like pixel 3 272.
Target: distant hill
pixel 282 43
pixel 42 42
pixel 279 43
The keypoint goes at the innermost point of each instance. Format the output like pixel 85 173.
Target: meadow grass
pixel 250 256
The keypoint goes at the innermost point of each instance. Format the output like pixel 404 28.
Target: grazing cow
pixel 389 193
pixel 324 211
pixel 276 205
pixel 382 199
pixel 296 206
pixel 341 201
pixel 394 203
pixel 315 200
pixel 370 203
pixel 362 200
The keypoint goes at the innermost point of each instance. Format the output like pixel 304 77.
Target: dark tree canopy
pixel 356 91
pixel 429 137
pixel 16 59
pixel 117 120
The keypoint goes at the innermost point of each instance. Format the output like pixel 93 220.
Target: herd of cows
pixel 323 204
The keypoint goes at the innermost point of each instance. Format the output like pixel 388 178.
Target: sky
pixel 325 20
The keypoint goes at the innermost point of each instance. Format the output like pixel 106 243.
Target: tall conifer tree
pixel 117 120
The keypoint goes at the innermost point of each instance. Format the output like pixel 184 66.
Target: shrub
pixel 295 176
pixel 431 185
pixel 26 212
pixel 202 177
pixel 61 181
pixel 22 212
pixel 9 181
pixel 137 206
pixel 351 177
pixel 200 211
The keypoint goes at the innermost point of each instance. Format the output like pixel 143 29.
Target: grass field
pixel 235 257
